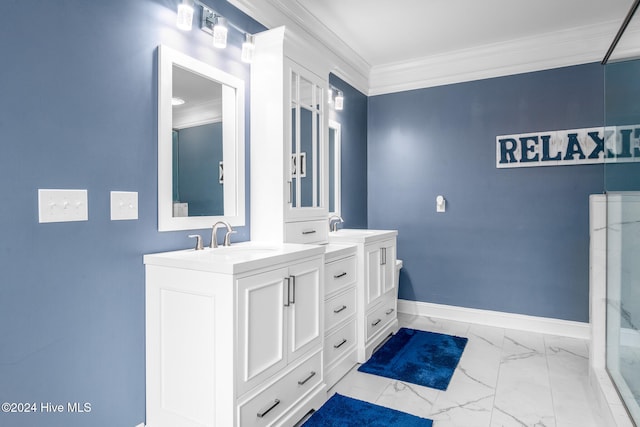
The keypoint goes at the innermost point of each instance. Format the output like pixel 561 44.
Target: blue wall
pixel 622 92
pixel 353 121
pixel 512 240
pixel 78 110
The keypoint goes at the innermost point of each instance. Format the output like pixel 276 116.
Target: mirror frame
pixel 234 173
pixel 337 168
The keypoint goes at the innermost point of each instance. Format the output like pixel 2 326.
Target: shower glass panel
pixel 622 185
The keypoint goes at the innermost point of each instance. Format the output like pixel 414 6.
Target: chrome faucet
pixel 227 236
pixel 198 238
pixel 334 220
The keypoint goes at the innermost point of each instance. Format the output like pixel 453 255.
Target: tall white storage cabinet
pixel 289 178
pixel 377 301
pixel 232 345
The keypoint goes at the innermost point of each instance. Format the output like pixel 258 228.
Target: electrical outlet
pixel 124 205
pixel 62 205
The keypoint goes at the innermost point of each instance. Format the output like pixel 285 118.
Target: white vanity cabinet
pixel 289 178
pixel 376 283
pixel 340 306
pixel 234 336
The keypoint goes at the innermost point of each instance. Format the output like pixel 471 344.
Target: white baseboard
pixel 499 319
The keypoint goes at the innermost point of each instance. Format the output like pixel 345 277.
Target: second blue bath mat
pixel 417 357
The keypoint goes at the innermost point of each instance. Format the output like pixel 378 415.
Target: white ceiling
pixel 390 45
pixel 387 31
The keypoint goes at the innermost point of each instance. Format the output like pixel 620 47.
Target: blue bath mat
pixel 417 357
pixel 341 411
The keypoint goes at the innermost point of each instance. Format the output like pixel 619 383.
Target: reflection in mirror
pixel 200 144
pixel 334 167
pixel 197 145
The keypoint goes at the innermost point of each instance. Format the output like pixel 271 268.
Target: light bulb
pixel 185 15
pixel 339 101
pixel 248 47
pixel 220 33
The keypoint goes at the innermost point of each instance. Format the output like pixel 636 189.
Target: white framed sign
pixel 569 147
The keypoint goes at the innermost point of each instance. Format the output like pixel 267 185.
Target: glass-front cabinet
pixel 289 168
pixel 306 136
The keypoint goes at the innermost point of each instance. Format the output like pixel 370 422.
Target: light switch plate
pixel 62 205
pixel 124 205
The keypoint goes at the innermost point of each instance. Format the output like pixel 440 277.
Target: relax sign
pixel 569 147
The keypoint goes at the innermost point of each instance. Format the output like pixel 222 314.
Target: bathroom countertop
pixel 238 258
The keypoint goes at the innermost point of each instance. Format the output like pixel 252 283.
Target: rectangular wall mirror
pixel 200 144
pixel 334 167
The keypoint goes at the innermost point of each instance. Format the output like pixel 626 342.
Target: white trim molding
pixel 498 319
pixel 572 46
pixel 551 50
pixel 342 60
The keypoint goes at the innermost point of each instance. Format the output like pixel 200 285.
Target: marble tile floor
pixel 505 378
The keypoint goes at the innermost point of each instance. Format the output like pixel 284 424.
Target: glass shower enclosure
pixel 622 187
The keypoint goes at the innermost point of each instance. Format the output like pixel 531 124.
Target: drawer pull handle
pixel 265 411
pixel 311 375
pixel 376 322
pixel 338 310
pixel 337 276
pixel 341 343
pixel 391 310
pixel 309 232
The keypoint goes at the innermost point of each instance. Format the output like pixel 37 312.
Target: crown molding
pixel 551 50
pixel 342 59
pixel 563 48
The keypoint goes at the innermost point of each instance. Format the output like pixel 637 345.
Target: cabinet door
pixel 306 133
pixel 388 266
pixel 304 311
pixel 373 273
pixel 261 326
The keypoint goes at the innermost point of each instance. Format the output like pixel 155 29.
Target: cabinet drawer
pixel 339 342
pixel 339 307
pixel 339 274
pixel 381 316
pixel 268 405
pixel 306 232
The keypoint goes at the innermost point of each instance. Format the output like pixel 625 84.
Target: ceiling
pixel 401 44
pixel 387 31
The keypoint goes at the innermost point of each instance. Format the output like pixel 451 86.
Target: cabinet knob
pixel 376 322
pixel 337 276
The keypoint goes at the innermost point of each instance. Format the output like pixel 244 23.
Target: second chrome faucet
pixel 227 236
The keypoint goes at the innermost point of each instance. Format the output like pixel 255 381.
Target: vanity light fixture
pixel 214 24
pixel 175 101
pixel 185 15
pixel 220 31
pixel 338 101
pixel 248 47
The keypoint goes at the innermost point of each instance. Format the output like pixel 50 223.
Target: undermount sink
pixel 232 259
